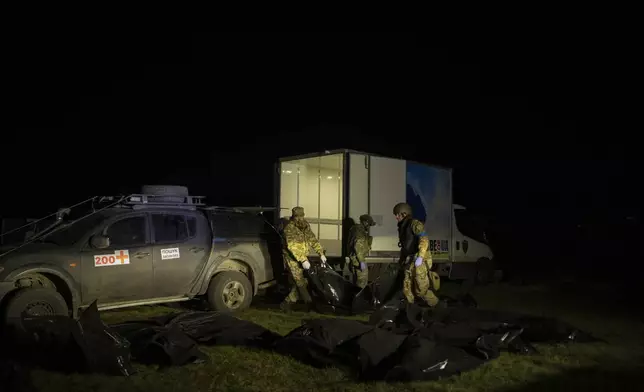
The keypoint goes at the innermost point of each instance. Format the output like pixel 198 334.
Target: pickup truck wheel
pixel 230 291
pixel 34 302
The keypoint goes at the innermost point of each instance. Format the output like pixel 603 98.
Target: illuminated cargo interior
pixel 316 185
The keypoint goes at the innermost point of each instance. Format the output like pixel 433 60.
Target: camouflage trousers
pixel 417 283
pixel 360 278
pixel 298 280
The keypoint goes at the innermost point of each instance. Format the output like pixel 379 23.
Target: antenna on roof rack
pixel 57 214
pixel 60 214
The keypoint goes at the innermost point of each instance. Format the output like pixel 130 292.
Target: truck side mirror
pixel 100 241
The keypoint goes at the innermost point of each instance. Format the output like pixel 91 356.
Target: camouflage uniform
pixel 417 281
pixel 298 237
pixel 359 247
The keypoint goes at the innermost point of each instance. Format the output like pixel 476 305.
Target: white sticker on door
pixel 119 257
pixel 170 253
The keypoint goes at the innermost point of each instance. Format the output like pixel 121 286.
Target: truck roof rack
pixel 99 203
pixel 141 201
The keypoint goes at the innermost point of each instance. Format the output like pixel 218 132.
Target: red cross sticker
pixel 122 257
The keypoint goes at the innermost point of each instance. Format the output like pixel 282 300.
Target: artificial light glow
pixel 329 177
pixel 288 172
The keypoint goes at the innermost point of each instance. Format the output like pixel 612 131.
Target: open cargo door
pixel 376 184
pixel 316 185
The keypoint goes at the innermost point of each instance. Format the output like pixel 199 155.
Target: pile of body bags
pixel 399 342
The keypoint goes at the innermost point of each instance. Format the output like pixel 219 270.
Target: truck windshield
pixel 68 233
pixel 470 225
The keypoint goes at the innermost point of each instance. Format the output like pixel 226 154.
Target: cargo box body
pixel 336 187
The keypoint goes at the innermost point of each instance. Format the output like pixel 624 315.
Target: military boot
pixel 286 306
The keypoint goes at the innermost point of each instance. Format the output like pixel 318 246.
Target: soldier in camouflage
pixel 359 247
pixel 298 237
pixel 415 257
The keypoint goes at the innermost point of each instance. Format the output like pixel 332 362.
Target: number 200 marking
pixel 103 260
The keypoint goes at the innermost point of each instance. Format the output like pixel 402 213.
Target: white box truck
pixel 336 187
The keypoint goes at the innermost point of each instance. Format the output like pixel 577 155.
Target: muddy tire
pixel 36 281
pixel 36 302
pixel 230 291
pixel 485 270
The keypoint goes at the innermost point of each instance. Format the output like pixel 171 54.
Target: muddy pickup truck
pixel 159 246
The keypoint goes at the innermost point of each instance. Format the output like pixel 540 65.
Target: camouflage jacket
pixel 359 242
pixel 297 241
pixel 423 240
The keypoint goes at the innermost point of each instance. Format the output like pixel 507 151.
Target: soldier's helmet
pixel 367 220
pixel 402 208
pixel 298 212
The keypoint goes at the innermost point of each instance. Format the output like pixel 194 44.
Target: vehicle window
pixel 127 232
pixel 192 226
pixel 68 233
pixel 173 228
pixel 468 225
pixel 238 225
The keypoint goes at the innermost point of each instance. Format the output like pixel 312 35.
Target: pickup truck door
pixel 182 242
pixel 122 272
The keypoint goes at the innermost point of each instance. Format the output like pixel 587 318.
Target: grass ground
pixel 617 365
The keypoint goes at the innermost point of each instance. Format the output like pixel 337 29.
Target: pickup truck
pixel 159 246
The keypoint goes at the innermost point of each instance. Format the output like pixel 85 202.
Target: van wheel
pixel 34 302
pixel 230 291
pixel 484 271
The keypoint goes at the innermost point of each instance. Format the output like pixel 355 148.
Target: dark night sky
pixel 104 114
